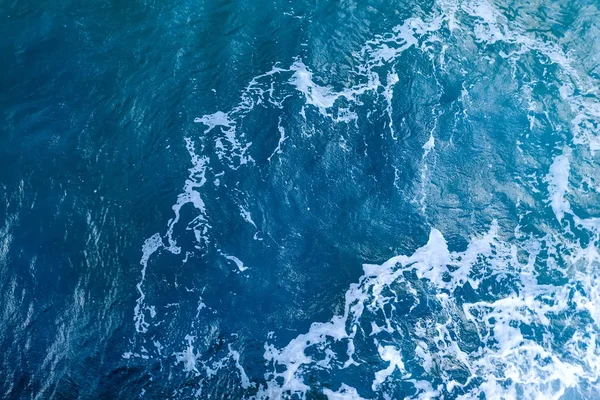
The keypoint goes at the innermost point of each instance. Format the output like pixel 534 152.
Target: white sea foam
pixel 238 263
pixel 188 357
pixel 191 195
pixel 151 245
pixel 235 356
pixel 388 93
pixel 345 392
pixel 282 138
pixel 247 216
pixel 217 119
pixel 558 186
pixel 391 355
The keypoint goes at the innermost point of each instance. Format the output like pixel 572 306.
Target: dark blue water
pixel 300 200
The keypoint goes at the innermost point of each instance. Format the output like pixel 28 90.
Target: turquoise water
pixel 300 200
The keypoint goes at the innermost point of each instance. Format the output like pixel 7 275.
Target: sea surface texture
pixel 240 199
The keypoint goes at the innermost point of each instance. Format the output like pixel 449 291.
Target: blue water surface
pixel 300 200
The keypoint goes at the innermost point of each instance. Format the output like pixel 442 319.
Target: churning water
pixel 300 200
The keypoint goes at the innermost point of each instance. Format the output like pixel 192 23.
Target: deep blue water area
pixel 300 200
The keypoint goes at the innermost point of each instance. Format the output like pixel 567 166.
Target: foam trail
pixel 558 186
pixel 388 93
pixel 190 195
pixel 282 138
pixel 239 264
pixel 151 245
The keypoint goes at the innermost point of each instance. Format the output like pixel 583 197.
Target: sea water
pixel 300 200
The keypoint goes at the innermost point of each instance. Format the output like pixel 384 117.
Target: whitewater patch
pixel 558 186
pixel 518 354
